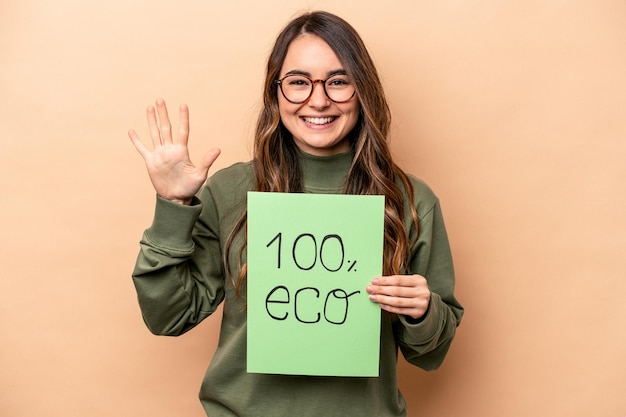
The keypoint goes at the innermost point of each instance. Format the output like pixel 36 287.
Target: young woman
pixel 323 129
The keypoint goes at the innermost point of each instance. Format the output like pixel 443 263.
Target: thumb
pixel 208 159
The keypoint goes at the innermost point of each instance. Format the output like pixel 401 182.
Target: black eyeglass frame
pixel 313 82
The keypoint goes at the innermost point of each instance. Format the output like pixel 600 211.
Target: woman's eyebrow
pixel 298 72
pixel 308 74
pixel 336 72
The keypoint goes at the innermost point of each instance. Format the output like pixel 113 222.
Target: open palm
pixel 171 171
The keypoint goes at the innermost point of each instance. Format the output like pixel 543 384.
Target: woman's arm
pixel 178 274
pixel 174 293
pixel 428 312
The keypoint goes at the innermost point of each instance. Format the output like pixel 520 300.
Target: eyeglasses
pixel 299 88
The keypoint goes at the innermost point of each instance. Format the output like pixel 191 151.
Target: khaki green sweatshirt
pixel 180 281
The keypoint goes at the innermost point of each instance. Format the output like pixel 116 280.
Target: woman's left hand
pixel 401 294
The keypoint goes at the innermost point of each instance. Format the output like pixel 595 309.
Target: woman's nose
pixel 318 98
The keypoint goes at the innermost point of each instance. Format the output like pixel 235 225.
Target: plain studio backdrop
pixel 514 112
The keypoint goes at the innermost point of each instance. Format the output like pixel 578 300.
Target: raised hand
pixel 173 175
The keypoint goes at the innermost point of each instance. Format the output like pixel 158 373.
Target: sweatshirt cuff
pixel 173 223
pixel 423 331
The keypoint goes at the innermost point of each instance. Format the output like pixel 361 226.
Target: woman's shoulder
pixel 234 175
pixel 424 198
pixel 230 183
pixel 237 168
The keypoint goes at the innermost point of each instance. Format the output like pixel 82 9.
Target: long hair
pixel 275 163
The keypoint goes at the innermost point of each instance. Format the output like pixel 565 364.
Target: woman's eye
pixel 298 82
pixel 338 82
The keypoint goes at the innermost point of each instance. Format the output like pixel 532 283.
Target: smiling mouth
pixel 319 121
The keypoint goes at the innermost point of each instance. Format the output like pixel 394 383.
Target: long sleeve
pixel 174 292
pixel 426 343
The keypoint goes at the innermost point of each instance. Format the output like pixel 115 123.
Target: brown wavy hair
pixel 373 172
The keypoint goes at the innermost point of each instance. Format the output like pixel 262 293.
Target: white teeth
pixel 318 120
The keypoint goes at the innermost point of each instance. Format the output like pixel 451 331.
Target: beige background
pixel 514 112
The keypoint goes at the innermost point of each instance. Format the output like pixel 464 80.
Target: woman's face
pixel 319 126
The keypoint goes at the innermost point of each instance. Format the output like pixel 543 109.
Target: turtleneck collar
pixel 325 174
